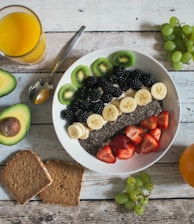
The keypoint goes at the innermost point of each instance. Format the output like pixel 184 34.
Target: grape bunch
pixel 136 194
pixel 179 42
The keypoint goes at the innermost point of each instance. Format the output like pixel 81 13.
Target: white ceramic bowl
pixel 138 162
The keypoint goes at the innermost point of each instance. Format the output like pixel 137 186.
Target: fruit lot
pixel 139 30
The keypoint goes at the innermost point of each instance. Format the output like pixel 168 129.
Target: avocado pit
pixel 9 126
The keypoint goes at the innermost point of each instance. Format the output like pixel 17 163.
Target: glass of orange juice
pixel 21 36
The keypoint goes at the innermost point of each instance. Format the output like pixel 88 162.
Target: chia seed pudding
pixel 98 137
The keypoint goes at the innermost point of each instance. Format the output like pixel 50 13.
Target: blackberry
pixel 118 70
pixel 136 84
pixel 68 115
pixel 97 107
pixel 116 91
pixel 82 116
pixel 148 80
pixel 86 105
pixel 94 94
pixel 82 93
pixel 91 81
pixel 75 105
pixel 138 73
pixel 106 97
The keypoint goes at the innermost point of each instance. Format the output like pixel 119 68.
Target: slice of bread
pixel 25 176
pixel 66 186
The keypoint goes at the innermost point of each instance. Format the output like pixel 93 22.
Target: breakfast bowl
pixel 137 162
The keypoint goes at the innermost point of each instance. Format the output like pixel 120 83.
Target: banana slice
pixel 128 104
pixel 81 126
pixel 159 91
pixel 95 121
pixel 74 131
pixel 86 134
pixel 116 102
pixel 110 112
pixel 143 97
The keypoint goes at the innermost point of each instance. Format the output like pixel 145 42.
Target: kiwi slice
pixel 102 66
pixel 78 75
pixel 66 93
pixel 123 58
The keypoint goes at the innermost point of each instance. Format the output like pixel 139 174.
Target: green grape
pixel 169 45
pixel 131 181
pixel 186 57
pixel 176 56
pixel 189 42
pixel 121 198
pixel 170 37
pixel 139 210
pixel 130 204
pixel 149 186
pixel 135 195
pixel 174 21
pixel 138 183
pixel 190 48
pixel 187 29
pixel 129 188
pixel 167 30
pixel 145 177
pixel 177 65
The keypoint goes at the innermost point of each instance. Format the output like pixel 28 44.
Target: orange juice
pixel 21 37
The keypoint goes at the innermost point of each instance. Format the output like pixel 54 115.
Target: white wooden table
pixel 109 23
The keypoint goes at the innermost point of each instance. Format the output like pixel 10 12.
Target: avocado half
pixel 7 82
pixel 22 112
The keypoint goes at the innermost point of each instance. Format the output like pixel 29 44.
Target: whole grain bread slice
pixel 25 176
pixel 66 186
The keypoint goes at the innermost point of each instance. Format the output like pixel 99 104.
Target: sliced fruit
pixel 102 66
pixel 163 119
pixel 159 90
pixel 95 121
pixel 86 134
pixel 123 58
pixel 118 142
pixel 156 133
pixel 126 153
pixel 130 92
pixel 106 154
pixel 134 133
pixel 128 104
pixel 148 144
pixel 21 112
pixel 116 102
pixel 8 82
pixel 66 93
pixel 79 74
pixel 143 97
pixel 149 123
pixel 110 112
pixel 75 131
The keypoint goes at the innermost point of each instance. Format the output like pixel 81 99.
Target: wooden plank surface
pixel 172 211
pixel 122 23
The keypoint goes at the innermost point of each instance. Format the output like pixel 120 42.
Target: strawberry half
pixel 126 153
pixel 149 123
pixel 134 133
pixel 119 142
pixel 156 133
pixel 106 154
pixel 163 120
pixel 148 144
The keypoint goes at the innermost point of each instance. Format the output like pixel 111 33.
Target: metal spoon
pixel 40 91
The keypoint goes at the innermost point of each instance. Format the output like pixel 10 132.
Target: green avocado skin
pixel 22 112
pixel 7 84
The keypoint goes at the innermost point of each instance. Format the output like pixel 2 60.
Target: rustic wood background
pixel 125 23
